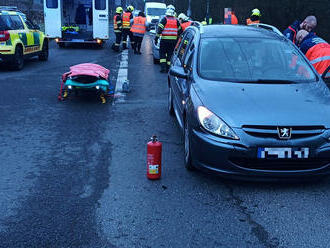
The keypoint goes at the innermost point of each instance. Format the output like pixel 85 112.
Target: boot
pixel 167 67
pixel 163 67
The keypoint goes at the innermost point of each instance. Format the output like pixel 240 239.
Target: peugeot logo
pixel 284 132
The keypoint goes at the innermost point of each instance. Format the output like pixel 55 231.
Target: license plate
pixel 283 153
pixel 77 40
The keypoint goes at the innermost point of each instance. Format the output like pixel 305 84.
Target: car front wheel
pixel 17 62
pixel 187 148
pixel 43 56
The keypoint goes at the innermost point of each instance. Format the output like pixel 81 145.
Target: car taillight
pixel 4 35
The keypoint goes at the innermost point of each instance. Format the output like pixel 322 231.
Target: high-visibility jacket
pixel 170 31
pixel 117 23
pixel 317 51
pixel 184 25
pixel 230 18
pixel 127 16
pixel 249 21
pixel 139 25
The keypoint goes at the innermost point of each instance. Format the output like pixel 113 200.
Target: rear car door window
pixel 5 23
pixel 17 22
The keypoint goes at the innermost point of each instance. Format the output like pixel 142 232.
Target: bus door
pixel 52 13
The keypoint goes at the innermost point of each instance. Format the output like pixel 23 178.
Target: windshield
pixel 155 11
pixel 252 59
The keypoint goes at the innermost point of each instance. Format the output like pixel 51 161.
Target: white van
pixel 77 21
pixel 154 11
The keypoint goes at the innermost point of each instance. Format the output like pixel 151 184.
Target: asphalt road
pixel 73 173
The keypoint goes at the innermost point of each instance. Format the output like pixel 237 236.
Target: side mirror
pixel 326 76
pixel 178 72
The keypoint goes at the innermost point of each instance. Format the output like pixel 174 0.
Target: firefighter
pixel 184 21
pixel 254 18
pixel 138 29
pixel 308 24
pixel 127 17
pixel 230 18
pixel 316 50
pixel 117 27
pixel 168 31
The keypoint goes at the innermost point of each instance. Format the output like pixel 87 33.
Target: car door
pixel 180 86
pixel 19 30
pixel 100 19
pixel 33 36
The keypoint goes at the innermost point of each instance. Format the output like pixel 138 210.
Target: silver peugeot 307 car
pixel 249 103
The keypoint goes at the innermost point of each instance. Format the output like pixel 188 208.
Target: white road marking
pixel 122 76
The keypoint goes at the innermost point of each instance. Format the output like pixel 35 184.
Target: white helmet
pixel 183 17
pixel 170 7
pixel 170 12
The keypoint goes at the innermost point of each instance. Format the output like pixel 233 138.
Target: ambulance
pixel 77 21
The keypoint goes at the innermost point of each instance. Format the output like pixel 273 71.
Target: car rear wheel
pixel 43 56
pixel 170 101
pixel 17 61
pixel 61 45
pixel 187 150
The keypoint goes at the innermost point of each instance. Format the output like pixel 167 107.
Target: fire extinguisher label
pixel 153 169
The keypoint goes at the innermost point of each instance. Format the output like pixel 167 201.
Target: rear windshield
pixel 252 59
pixel 10 22
pixel 155 11
pixel 100 4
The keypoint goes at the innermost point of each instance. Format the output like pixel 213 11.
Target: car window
pixel 16 22
pixel 29 24
pixel 252 59
pixel 5 23
pixel 185 44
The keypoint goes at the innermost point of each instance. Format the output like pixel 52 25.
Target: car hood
pixel 241 104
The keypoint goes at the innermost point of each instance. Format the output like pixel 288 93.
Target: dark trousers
pixel 116 45
pixel 166 50
pixel 138 42
pixel 127 32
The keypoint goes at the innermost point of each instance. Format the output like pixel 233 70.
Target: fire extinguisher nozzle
pixel 154 138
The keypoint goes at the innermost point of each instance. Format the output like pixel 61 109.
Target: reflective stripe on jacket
pixel 249 21
pixel 170 31
pixel 184 25
pixel 127 20
pixel 319 57
pixel 117 23
pixel 139 25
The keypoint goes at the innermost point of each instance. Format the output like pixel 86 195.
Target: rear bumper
pixel 236 161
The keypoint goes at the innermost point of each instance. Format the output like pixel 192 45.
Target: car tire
pixel 170 101
pixel 17 62
pixel 187 148
pixel 43 56
pixel 156 61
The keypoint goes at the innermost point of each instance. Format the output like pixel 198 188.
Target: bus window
pixel 100 4
pixel 52 4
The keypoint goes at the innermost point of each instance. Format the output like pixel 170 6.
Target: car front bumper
pixel 238 160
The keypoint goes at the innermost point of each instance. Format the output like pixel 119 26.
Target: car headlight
pixel 97 87
pixel 214 124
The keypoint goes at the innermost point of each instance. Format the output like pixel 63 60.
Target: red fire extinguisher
pixel 154 159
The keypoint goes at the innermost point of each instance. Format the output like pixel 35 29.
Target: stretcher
pixel 86 77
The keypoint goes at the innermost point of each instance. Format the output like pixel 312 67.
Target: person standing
pixel 117 27
pixel 127 17
pixel 168 31
pixel 184 21
pixel 138 29
pixel 316 50
pixel 309 24
pixel 254 18
pixel 230 18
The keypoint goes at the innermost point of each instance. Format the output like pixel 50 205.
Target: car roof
pixel 239 31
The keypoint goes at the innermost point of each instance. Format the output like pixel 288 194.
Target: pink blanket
pixel 87 69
